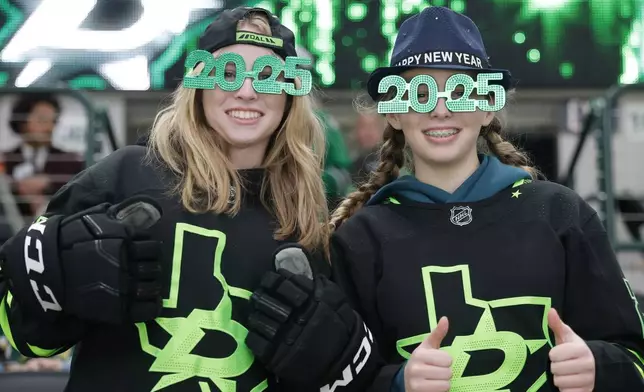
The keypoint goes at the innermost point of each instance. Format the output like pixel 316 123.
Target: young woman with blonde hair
pixel 146 261
pixel 472 274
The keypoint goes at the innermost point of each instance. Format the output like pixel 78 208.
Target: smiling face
pixel 440 137
pixel 245 119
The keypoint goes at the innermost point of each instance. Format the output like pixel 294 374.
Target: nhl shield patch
pixel 461 216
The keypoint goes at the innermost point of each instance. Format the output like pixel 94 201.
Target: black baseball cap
pixel 223 32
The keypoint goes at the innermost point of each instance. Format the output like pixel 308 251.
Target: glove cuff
pixel 356 361
pixel 33 268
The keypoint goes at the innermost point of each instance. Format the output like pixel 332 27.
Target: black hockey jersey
pixel 212 263
pixel 494 268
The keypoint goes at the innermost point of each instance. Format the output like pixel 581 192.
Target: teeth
pixel 441 133
pixel 244 114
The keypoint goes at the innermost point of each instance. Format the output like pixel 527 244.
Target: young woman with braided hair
pixel 471 273
pixel 393 157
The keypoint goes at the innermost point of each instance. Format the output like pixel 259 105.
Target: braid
pixel 392 159
pixel 506 151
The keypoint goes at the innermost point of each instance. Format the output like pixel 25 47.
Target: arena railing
pixel 602 123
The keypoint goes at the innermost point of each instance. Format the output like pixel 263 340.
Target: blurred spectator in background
pixel 337 162
pixel 368 133
pixel 37 168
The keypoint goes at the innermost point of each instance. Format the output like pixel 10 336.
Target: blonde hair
pixel 394 156
pixel 182 139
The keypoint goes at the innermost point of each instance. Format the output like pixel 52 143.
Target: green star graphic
pixel 175 359
pixel 485 337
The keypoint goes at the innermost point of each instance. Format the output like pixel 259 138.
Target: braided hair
pixel 507 152
pixel 392 159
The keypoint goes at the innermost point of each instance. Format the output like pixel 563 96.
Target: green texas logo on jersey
pixel 515 348
pixel 175 362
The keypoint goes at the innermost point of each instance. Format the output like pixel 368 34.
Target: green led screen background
pixel 545 43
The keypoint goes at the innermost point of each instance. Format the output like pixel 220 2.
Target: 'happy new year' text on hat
pixel 437 37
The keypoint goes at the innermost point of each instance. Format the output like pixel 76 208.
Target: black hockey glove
pixel 302 328
pixel 98 265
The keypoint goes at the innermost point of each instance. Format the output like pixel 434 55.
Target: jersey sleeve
pixel 29 335
pixel 354 258
pixel 601 308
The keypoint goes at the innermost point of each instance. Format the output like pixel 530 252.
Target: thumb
pixel 293 258
pixel 138 212
pixel 563 333
pixel 435 338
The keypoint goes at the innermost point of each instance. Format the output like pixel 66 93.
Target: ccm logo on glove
pixel 33 246
pixel 100 264
pixel 354 368
pixel 302 328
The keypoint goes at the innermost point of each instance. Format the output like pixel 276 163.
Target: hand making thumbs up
pixel 428 368
pixel 573 364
